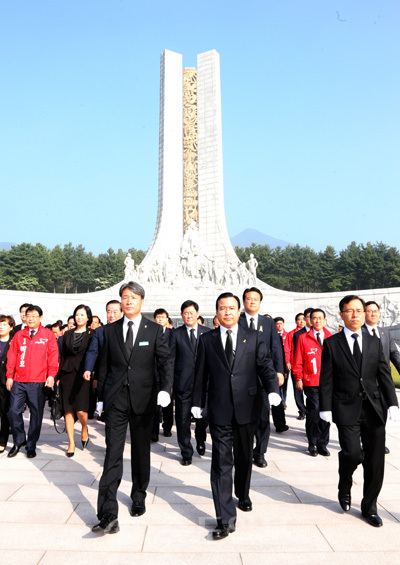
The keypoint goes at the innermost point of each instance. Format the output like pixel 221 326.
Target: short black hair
pixel 189 303
pixel 227 295
pixel 298 316
pixel 9 319
pixel 113 302
pixel 345 300
pixel 279 319
pixel 34 308
pixel 318 310
pixel 160 311
pixel 24 305
pixel 372 302
pixel 201 319
pixel 308 311
pixel 253 289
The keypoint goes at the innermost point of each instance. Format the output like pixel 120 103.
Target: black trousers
pixel 117 419
pixel 34 395
pixel 263 429
pixel 363 443
pixel 232 446
pixel 183 404
pixel 167 415
pixel 298 397
pixel 317 430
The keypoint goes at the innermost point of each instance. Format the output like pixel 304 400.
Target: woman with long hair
pixel 75 389
pixel 7 324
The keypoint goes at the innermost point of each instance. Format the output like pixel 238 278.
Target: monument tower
pixel 191 238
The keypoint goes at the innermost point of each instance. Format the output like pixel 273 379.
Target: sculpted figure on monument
pixel 252 265
pixel 130 273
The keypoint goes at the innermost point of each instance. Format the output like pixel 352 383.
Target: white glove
pixel 274 399
pixel 394 413
pixel 196 411
pixel 163 398
pixel 326 416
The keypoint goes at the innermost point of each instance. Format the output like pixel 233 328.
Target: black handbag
pixel 56 411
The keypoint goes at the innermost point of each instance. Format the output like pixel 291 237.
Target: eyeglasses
pixel 32 316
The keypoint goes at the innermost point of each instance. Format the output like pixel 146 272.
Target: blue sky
pixel 310 117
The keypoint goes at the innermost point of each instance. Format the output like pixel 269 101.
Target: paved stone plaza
pixel 47 508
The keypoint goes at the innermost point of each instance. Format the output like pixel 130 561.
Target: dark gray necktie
pixel 356 351
pixel 229 348
pixel 319 339
pixel 252 326
pixel 374 333
pixel 32 333
pixel 129 339
pixel 193 340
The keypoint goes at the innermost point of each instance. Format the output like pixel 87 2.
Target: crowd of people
pixel 229 379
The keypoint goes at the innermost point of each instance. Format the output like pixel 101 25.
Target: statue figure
pixel 252 265
pixel 130 272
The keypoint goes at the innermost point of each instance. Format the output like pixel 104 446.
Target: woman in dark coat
pixel 75 389
pixel 7 324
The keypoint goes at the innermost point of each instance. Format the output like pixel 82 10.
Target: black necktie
pixel 319 339
pixel 229 348
pixel 356 351
pixel 252 326
pixel 374 333
pixel 193 340
pixel 32 333
pixel 129 339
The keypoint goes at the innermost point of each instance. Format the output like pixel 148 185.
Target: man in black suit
pixel 183 344
pixel 128 388
pixel 355 389
pixel 230 361
pixel 251 318
pixel 22 313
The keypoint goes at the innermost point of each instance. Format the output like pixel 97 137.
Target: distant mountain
pixel 249 236
pixel 5 245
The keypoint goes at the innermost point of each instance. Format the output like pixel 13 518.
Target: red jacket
pixel 289 342
pixel 32 360
pixel 307 359
pixel 286 347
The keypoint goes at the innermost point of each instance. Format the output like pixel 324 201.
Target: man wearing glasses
pixel 32 364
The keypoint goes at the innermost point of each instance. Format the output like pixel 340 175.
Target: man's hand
pixel 274 398
pixel 49 382
pixel 299 385
pixel 289 366
pixel 326 416
pixel 196 412
pixel 281 378
pixel 9 383
pixel 86 375
pixel 163 398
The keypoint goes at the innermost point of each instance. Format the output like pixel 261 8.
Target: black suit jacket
pixel 115 368
pixel 341 385
pixel 184 358
pixel 71 362
pixel 388 345
pixel 232 392
pixel 269 334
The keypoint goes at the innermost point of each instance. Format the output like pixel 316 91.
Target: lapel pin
pixel 261 329
pixel 244 341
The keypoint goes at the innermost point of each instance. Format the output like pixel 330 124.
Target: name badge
pixel 141 343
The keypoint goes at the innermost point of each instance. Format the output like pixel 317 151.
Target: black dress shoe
pixel 167 433
pixel 323 451
pixel 260 462
pixel 154 438
pixel 344 501
pixel 31 453
pixel 222 531
pixel 138 508
pixel 300 417
pixel 312 450
pixel 387 450
pixel 373 520
pixel 107 525
pixel 186 461
pixel 201 448
pixel 282 429
pixel 245 505
pixel 15 449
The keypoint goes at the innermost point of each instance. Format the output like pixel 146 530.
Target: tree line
pixel 301 269
pixel 65 269
pixel 71 269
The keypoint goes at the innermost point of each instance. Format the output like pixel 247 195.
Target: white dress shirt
pixel 234 333
pixel 350 340
pixel 135 326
